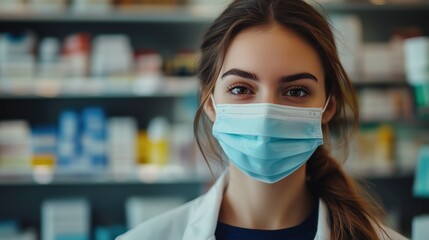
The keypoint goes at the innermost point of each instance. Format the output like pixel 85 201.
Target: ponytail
pixel 351 215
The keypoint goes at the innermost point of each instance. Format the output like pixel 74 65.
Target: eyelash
pixel 304 89
pixel 239 85
pixel 301 88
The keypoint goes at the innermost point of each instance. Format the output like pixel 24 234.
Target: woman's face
pixel 271 64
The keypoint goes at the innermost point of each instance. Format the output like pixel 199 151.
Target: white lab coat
pixel 197 220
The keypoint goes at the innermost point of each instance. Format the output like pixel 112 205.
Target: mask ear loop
pixel 326 104
pixel 213 102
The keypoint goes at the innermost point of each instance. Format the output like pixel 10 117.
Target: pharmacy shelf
pixel 368 6
pixel 186 14
pixel 407 123
pixel 381 84
pixel 398 123
pixel 140 14
pixel 108 201
pixel 389 174
pixel 97 88
pixel 141 175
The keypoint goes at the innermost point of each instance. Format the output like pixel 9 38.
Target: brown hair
pixel 351 215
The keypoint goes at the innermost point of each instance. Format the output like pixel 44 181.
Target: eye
pixel 298 91
pixel 239 89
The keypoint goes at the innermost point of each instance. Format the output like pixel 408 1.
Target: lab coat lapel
pixel 204 214
pixel 323 228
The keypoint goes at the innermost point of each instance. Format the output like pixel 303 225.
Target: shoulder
pixel 324 230
pixel 169 225
pixel 389 234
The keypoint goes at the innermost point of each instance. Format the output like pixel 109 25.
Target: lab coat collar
pixel 204 214
pixel 323 228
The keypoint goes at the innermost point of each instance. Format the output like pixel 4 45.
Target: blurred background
pixel 97 99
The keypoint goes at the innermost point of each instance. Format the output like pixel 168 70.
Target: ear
pixel 330 110
pixel 209 109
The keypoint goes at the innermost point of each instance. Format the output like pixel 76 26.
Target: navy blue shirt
pixel 304 231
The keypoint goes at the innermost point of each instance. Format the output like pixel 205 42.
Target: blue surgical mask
pixel 267 141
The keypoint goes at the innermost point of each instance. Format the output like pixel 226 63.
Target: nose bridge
pixel 270 95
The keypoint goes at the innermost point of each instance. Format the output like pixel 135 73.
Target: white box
pixel 66 219
pixel 121 142
pixel 376 62
pixel 140 209
pixel 420 228
pixel 416 52
pixel 347 31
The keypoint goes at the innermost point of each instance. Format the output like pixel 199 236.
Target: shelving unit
pixel 96 87
pixel 166 30
pixel 147 15
pixel 40 101
pixel 365 7
pixel 381 84
pixel 107 200
pixel 141 175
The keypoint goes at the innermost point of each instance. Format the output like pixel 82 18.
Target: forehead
pixel 272 49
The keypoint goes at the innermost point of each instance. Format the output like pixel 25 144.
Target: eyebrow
pixel 252 76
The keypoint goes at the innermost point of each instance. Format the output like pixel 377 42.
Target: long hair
pixel 351 215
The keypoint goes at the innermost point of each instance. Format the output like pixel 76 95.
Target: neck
pixel 252 204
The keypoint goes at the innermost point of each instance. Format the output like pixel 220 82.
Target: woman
pixel 271 89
